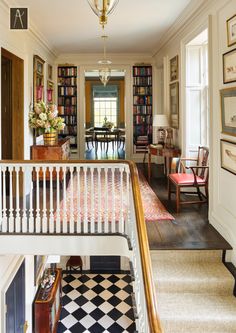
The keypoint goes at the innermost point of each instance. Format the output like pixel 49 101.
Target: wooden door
pixel 15 303
pixel 6 116
pixel 12 95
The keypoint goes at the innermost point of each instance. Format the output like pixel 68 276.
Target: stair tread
pixel 192 256
pixel 187 273
pixel 176 306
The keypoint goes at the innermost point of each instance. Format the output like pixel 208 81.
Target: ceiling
pixel 70 26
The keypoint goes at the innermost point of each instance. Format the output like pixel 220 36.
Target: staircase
pixel 194 291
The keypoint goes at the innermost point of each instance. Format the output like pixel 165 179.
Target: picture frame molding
pixel 228 32
pixel 224 69
pixel 221 156
pixel 174 60
pixel 223 94
pixel 176 84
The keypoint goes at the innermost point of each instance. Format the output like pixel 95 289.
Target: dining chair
pixel 191 176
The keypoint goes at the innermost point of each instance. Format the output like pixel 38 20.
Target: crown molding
pixel 193 10
pixel 117 58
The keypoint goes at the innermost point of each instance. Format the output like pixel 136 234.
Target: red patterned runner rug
pixel 100 202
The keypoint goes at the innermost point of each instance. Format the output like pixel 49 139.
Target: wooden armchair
pixel 197 178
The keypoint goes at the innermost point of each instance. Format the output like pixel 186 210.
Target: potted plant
pixel 44 118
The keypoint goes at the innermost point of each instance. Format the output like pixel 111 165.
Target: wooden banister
pixel 149 288
pixel 154 321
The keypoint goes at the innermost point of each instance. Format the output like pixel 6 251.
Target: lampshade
pixel 103 8
pixel 160 120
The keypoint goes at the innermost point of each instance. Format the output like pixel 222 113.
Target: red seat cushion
pixel 185 179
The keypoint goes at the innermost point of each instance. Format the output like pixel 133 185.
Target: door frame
pixel 9 277
pixel 17 101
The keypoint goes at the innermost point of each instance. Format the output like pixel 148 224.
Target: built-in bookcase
pixel 67 102
pixel 142 107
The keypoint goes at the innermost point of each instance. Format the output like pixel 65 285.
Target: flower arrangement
pixel 47 280
pixel 107 124
pixel 44 117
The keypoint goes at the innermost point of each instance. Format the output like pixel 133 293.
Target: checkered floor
pixel 96 303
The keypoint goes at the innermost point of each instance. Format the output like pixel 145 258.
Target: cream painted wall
pixel 222 208
pixel 24 44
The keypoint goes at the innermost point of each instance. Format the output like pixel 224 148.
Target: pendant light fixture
pixel 104 71
pixel 103 8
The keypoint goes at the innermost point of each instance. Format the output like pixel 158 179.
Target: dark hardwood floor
pixel 189 230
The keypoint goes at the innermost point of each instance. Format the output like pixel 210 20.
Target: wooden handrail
pixel 154 321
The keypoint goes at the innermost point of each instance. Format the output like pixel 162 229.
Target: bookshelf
pixel 67 102
pixel 142 107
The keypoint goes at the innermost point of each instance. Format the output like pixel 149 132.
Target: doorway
pixel 105 109
pixel 12 106
pixel 15 303
pixel 197 106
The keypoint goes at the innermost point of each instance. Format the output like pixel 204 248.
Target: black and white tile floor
pixel 96 303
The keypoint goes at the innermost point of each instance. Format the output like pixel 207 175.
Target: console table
pixel 167 153
pixel 47 307
pixel 59 151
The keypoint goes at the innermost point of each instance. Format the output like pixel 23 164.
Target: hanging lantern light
pixel 104 71
pixel 103 8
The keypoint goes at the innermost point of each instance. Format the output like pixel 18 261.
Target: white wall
pixel 24 44
pixel 212 14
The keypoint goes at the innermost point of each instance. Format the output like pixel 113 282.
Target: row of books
pixel 67 101
pixel 70 120
pixel 142 81
pixel 67 71
pixel 142 109
pixel 66 110
pixel 143 119
pixel 142 130
pixel 142 90
pixel 143 100
pixel 142 71
pixel 68 91
pixel 67 81
pixel 70 130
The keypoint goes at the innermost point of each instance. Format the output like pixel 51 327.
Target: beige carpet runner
pixel 194 292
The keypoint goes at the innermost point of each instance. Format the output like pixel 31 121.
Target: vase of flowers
pixel 44 118
pixel 107 124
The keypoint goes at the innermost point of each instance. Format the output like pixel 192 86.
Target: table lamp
pixel 160 121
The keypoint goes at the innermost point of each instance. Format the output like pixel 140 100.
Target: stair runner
pixel 194 292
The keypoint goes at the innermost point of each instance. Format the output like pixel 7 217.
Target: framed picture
pixel 228 111
pixel 49 72
pixel 174 69
pixel 231 30
pixel 174 105
pixel 38 267
pixel 229 66
pixel 228 156
pixel 38 80
pixel 50 89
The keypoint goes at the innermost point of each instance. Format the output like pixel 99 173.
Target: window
pixel 105 107
pixel 197 94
